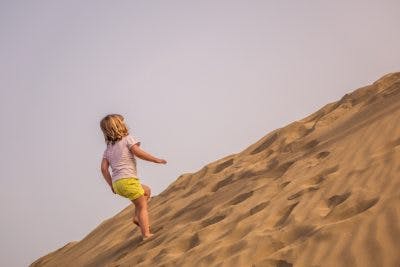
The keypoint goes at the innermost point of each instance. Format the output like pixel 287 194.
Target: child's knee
pixel 147 190
pixel 140 202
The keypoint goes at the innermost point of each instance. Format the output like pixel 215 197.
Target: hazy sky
pixel 196 81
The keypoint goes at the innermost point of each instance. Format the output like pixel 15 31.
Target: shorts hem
pixel 134 198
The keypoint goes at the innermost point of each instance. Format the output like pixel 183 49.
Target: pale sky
pixel 196 81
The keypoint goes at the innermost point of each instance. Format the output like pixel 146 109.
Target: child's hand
pixel 112 189
pixel 161 161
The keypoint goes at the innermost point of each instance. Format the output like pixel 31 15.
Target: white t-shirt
pixel 121 159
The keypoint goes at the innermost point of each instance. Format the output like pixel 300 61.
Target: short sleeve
pixel 130 141
pixel 105 154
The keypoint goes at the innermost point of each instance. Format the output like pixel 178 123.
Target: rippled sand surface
pixel 322 191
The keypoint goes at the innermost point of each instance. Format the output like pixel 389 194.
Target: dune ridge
pixel 321 191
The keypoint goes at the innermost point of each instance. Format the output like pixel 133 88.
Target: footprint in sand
pixel 194 242
pixel 345 206
pixel 284 214
pixel 283 168
pixel 312 144
pixel 323 154
pixel 259 207
pixel 240 198
pixel 337 199
pixel 220 167
pixel 213 220
pixel 314 161
pixel 195 188
pixel 302 192
pixel 275 169
pixel 319 178
pixel 201 207
pixel 332 202
pixel 237 247
pixel 223 183
pixel 283 263
pixel 268 142
pixel 284 184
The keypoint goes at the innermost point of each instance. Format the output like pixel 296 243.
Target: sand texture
pixel 321 191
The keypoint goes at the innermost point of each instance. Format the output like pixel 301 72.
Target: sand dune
pixel 322 191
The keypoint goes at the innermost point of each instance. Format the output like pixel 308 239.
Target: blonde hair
pixel 114 128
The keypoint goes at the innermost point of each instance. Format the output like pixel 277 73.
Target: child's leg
pixel 136 216
pixel 143 216
pixel 147 191
pixel 147 194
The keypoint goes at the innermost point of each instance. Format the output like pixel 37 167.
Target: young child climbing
pixel 120 156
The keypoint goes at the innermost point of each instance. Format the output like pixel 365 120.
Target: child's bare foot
pixel 146 237
pixel 136 221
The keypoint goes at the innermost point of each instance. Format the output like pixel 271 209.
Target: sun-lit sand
pixel 322 191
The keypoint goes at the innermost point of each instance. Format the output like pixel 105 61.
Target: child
pixel 120 155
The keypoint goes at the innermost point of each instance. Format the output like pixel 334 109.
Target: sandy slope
pixel 322 191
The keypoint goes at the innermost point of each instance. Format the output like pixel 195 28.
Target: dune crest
pixel 322 191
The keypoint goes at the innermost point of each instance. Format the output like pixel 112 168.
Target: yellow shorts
pixel 128 187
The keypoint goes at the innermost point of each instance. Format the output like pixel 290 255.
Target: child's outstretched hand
pixel 112 189
pixel 161 161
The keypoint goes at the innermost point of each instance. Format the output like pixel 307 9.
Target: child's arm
pixel 140 153
pixel 106 173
